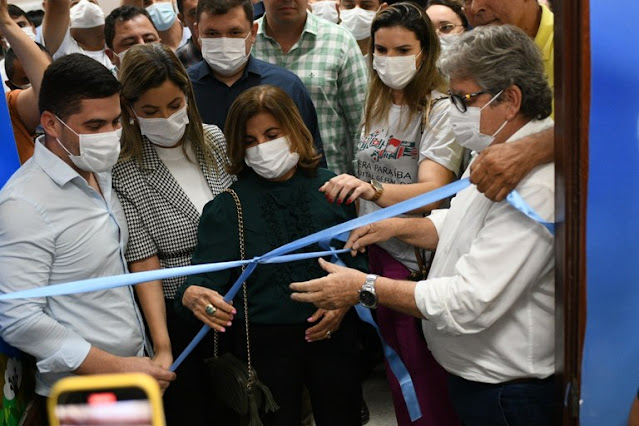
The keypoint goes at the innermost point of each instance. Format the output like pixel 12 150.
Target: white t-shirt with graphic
pixel 392 151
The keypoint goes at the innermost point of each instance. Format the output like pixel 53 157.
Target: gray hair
pixel 498 56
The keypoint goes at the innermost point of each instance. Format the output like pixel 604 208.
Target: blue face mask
pixel 162 14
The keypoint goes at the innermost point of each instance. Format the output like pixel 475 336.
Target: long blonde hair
pixel 147 66
pixel 417 93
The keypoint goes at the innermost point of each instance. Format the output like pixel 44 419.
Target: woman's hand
pixel 329 324
pixel 343 186
pixel 219 313
pixel 163 359
pixel 370 234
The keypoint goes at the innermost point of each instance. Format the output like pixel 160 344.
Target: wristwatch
pixel 367 294
pixel 379 189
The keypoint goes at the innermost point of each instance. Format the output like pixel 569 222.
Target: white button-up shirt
pixel 55 228
pixel 490 296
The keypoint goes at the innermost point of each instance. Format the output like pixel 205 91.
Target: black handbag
pixel 235 382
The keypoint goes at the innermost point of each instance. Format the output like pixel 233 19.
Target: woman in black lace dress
pixel 292 344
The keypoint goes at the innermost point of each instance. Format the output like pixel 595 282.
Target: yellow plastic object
pixel 116 406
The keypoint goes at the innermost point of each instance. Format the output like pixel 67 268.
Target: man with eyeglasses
pixel 226 33
pixel 487 307
pixel 499 169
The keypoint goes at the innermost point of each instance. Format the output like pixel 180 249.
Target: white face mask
pixel 162 14
pixel 466 127
pixel 358 21
pixel 445 41
pixel 395 71
pixel 225 55
pixel 27 30
pixel 165 132
pixel 98 151
pixel 121 55
pixel 271 159
pixel 326 10
pixel 86 15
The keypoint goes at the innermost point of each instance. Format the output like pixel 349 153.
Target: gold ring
pixel 210 309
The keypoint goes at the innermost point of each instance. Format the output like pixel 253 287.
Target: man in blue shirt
pixel 60 222
pixel 226 35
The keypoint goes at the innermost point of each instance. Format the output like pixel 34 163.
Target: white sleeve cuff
pixel 72 353
pixel 438 217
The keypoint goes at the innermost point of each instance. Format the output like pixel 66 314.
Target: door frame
pixel 572 113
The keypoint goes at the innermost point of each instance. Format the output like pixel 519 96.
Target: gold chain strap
pixel 240 226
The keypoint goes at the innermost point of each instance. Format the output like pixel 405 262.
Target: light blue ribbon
pixel 395 363
pixel 515 199
pixel 345 227
pixel 279 255
pixel 106 283
pixel 326 235
pixel 397 367
pixel 275 256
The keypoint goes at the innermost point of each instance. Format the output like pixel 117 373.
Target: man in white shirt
pixel 61 222
pixel 488 303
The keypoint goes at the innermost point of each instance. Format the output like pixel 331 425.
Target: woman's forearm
pixel 151 298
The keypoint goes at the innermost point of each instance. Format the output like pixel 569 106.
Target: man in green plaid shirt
pixel 326 58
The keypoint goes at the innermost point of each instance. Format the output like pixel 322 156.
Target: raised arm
pixel 33 60
pixel 499 168
pixel 55 24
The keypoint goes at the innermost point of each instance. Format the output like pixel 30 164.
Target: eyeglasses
pixel 460 100
pixel 446 28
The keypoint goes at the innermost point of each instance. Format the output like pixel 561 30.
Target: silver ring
pixel 210 309
pixel 328 334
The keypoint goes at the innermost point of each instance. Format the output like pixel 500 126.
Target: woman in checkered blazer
pixel 170 166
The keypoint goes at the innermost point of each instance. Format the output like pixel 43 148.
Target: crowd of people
pixel 162 135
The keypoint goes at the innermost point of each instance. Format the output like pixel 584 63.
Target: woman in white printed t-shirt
pixel 407 148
